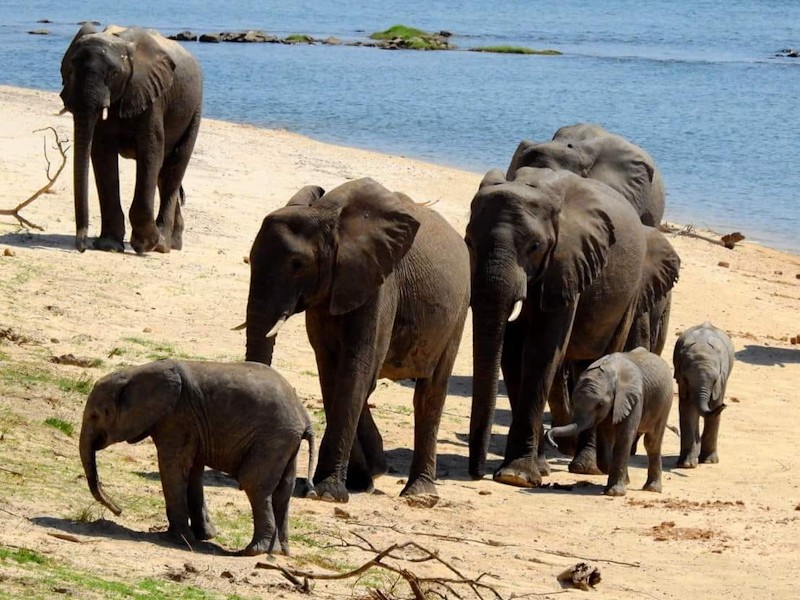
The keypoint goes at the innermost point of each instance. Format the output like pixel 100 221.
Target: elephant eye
pixel 534 246
pixel 296 264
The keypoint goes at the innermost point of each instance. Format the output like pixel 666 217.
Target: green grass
pixel 516 50
pixel 300 38
pixel 30 375
pixel 21 556
pixel 82 385
pixel 415 39
pixel 61 425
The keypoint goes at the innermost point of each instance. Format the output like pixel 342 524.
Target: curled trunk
pixel 564 431
pixel 89 460
pixel 703 399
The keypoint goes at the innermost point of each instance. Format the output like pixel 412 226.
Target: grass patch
pixel 22 556
pixel 155 350
pixel 82 385
pixel 30 376
pixel 300 38
pixel 412 38
pixel 516 50
pixel 61 425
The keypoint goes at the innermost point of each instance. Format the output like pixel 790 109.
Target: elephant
pixel 243 419
pixel 136 94
pixel 385 284
pixel 560 267
pixel 591 151
pixel 624 395
pixel 703 360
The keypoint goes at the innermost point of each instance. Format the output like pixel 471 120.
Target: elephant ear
pixel 493 177
pixel 152 72
pixel 584 234
pixel 622 166
pixel 628 391
pixel 374 231
pixel 66 62
pixel 660 271
pixel 306 196
pixel 149 395
pixel 516 160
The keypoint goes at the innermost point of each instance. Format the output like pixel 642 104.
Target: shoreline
pixel 751 237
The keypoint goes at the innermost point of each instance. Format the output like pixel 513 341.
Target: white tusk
pixel 276 328
pixel 515 311
pixel 105 113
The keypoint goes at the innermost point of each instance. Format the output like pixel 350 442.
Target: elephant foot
pixel 108 244
pixel 150 240
pixel 80 239
pixel 265 545
pixel 618 489
pixel 176 242
pixel 544 468
pixel 686 463
pixel 585 464
pixel 359 481
pixel 652 486
pixel 709 459
pixel 181 536
pixel 520 473
pixel 330 489
pixel 422 485
pixel 206 531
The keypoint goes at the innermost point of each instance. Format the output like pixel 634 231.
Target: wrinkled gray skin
pixel 624 395
pixel 243 419
pixel 573 254
pixel 384 283
pixel 135 94
pixel 703 359
pixel 590 151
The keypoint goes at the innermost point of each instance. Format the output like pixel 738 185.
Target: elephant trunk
pixel 704 403
pixel 84 131
pixel 570 430
pixel 262 329
pixel 88 450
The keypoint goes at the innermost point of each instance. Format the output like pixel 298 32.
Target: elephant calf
pixel 624 394
pixel 703 359
pixel 240 418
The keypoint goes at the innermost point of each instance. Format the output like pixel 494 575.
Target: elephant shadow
pixel 214 478
pixel 458 385
pixel 768 356
pixel 110 529
pixel 26 239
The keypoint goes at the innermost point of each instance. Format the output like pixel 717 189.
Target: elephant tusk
pixel 276 328
pixel 549 437
pixel 515 311
pixel 105 113
pixel 240 327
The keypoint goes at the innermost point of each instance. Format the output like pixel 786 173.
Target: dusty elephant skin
pixel 561 268
pixel 135 94
pixel 243 419
pixel 703 359
pixel 624 395
pixel 385 284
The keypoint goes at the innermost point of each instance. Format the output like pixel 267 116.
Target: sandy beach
pixel 730 530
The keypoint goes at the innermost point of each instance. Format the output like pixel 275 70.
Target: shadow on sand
pixel 768 357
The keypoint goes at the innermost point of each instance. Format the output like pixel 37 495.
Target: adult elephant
pixel 591 151
pixel 560 266
pixel 136 94
pixel 385 285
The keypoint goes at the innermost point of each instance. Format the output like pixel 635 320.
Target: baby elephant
pixel 703 360
pixel 240 418
pixel 623 394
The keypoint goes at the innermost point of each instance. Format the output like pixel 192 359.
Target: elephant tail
pixel 308 435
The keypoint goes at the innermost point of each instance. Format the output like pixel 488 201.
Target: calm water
pixel 695 83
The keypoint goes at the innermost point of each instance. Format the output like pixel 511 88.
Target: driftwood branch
pixel 62 147
pixel 728 240
pixel 421 587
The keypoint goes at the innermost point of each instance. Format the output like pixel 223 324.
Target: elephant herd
pixel 562 263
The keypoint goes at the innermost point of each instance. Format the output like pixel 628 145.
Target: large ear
pixel 374 231
pixel 493 177
pixel 584 234
pixel 152 71
pixel 306 196
pixel 628 390
pixel 149 395
pixel 66 62
pixel 517 158
pixel 621 165
pixel 660 271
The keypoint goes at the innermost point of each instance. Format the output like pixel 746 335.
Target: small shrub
pixel 61 425
pixel 411 38
pixel 300 38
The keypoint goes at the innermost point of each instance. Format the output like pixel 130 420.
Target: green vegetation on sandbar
pixel 300 38
pixel 516 50
pixel 412 38
pixel 60 424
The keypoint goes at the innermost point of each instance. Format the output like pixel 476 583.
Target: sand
pixel 729 530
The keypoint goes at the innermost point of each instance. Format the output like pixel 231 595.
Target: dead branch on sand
pixel 62 147
pixel 421 587
pixel 728 240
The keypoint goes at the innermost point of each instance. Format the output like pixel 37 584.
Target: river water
pixel 695 83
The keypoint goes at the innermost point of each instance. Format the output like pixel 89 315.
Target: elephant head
pixel 117 73
pixel 702 366
pixel 535 242
pixel 333 250
pixel 612 386
pixel 126 406
pixel 591 152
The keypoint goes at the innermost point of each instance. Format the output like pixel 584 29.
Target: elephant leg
pixel 264 531
pixel 708 442
pixel 605 447
pixel 280 507
pixel 690 435
pixel 105 163
pixel 145 236
pixel 542 357
pixel 174 483
pixel 201 524
pixel 367 459
pixel 658 336
pixel 652 443
pixel 618 471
